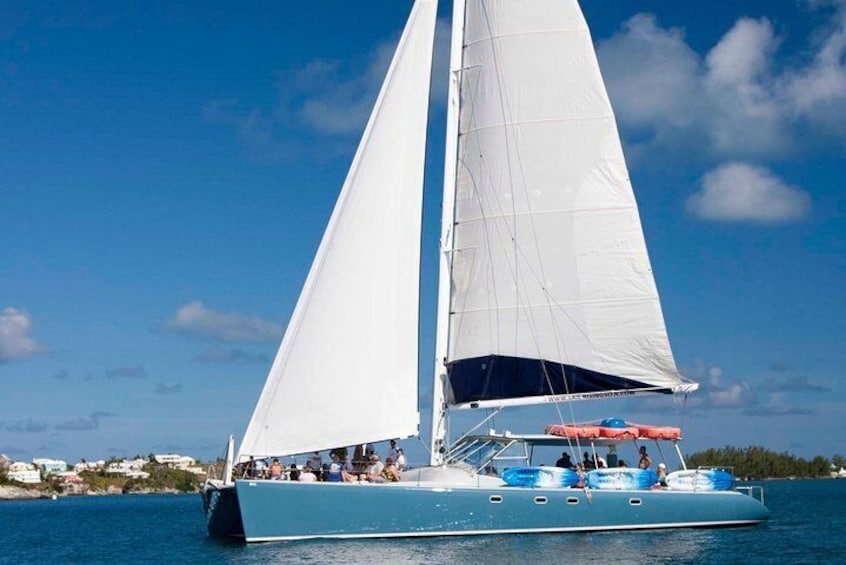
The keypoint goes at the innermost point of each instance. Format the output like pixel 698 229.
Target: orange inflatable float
pixel 619 433
pixel 659 432
pixel 573 432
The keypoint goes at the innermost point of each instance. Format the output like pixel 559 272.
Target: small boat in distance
pixel 545 296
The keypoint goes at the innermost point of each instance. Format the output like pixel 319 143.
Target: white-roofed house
pixel 50 466
pixel 174 460
pixel 23 473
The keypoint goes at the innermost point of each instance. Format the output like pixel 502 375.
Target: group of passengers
pixel 365 466
pixel 587 464
pixel 597 462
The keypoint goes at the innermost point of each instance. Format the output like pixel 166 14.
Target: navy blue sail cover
pixel 496 377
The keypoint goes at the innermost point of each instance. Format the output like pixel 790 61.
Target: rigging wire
pixel 514 169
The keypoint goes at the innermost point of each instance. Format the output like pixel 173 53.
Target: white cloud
pixel 744 114
pixel 325 97
pixel 733 396
pixel 731 102
pixel 717 392
pixel 739 396
pixel 652 75
pixel 743 55
pixel 738 192
pixel 15 340
pixel 317 98
pixel 334 105
pixel 320 97
pixel 195 319
pixel 714 375
pixel 818 90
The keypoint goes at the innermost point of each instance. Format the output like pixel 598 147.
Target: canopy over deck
pixel 485 451
pixel 541 440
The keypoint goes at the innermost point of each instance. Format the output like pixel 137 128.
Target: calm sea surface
pixel 807 526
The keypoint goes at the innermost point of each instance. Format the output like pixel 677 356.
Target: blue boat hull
pixel 223 515
pixel 282 510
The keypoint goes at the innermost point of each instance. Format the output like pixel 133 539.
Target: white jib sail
pixel 549 259
pixel 346 371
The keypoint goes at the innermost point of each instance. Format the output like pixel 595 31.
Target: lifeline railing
pixel 750 490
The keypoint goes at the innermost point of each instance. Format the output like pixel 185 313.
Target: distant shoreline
pixel 8 492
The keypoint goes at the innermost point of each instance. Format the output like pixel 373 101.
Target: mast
pixel 439 405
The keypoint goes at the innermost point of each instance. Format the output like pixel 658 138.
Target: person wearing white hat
pixel 662 474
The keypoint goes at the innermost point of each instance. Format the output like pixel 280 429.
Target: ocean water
pixel 807 526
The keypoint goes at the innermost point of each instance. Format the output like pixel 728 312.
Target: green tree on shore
pixel 760 463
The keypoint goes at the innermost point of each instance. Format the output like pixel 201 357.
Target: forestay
pixel 550 272
pixel 346 371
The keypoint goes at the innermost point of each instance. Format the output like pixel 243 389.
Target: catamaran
pixel 545 295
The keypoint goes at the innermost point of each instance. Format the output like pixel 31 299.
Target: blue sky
pixel 166 172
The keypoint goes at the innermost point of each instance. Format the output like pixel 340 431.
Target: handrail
pixel 750 490
pixel 726 468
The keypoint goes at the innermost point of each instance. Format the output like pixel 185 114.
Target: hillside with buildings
pixel 48 477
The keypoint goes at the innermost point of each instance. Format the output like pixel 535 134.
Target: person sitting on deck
pixel 259 468
pixel 662 476
pixel 564 462
pixel 622 463
pixel 342 453
pixel 390 473
pixel 373 472
pixel 580 470
pixel 307 474
pixel 276 470
pixel 400 460
pixel 294 473
pixel 358 459
pixel 645 460
pixel 588 462
pixel 337 472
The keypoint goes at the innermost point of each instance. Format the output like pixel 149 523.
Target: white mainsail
pixel 346 371
pixel 547 254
